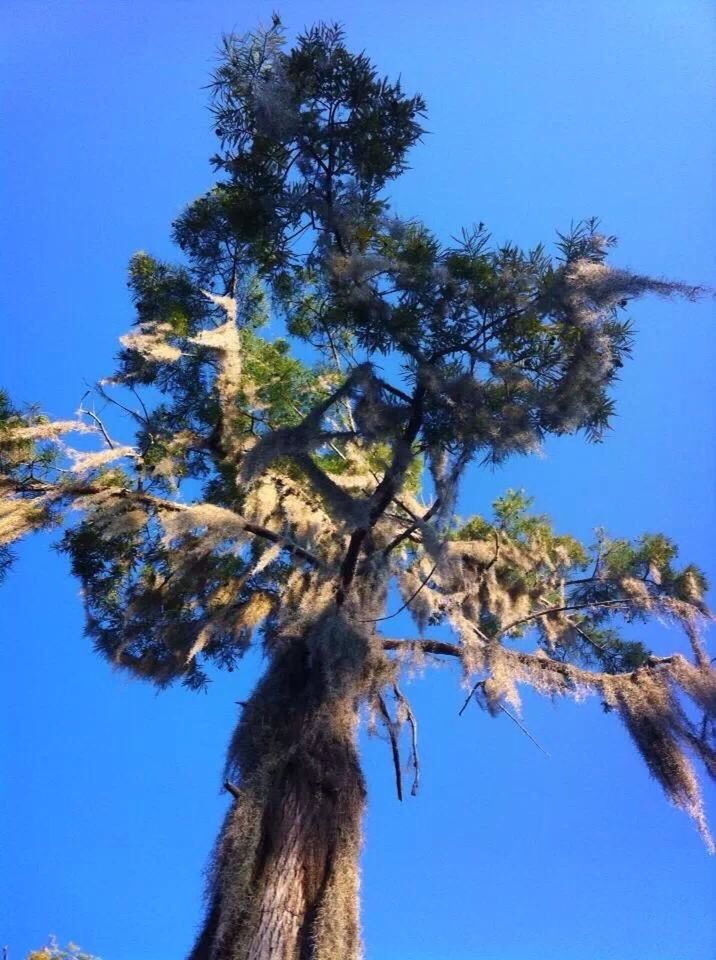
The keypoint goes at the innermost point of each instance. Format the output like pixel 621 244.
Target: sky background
pixel 539 113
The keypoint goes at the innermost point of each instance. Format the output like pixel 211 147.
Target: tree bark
pixel 284 881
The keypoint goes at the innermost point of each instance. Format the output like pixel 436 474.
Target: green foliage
pixel 598 579
pixel 286 389
pixel 164 294
pixel 511 512
pixel 511 518
pixel 473 529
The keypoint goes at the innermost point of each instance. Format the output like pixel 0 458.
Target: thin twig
pixel 132 413
pixel 469 697
pixel 390 726
pixel 523 728
pixel 407 603
pixel 585 636
pixel 93 416
pixel 414 758
pixel 141 402
pixel 562 609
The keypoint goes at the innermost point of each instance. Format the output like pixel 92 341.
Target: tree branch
pixel 410 717
pixel 396 541
pixel 93 416
pixel 232 789
pixel 624 601
pixel 501 706
pixel 542 662
pixel 150 500
pixel 437 647
pixel 383 493
pixel 390 726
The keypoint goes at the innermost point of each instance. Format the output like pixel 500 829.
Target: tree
pixel 53 951
pixel 290 496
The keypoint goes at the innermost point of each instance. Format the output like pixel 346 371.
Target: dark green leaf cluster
pixel 309 136
pixel 154 604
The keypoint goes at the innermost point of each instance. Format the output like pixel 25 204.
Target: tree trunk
pixel 284 881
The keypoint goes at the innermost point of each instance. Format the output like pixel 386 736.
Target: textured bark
pixel 284 884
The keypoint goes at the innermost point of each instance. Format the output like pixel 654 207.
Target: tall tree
pixel 294 497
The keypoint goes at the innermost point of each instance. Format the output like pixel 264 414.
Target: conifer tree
pixel 261 494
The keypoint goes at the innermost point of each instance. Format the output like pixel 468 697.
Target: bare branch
pixel 410 717
pixel 116 403
pixel 394 390
pixel 391 727
pixel 469 697
pixel 523 728
pixel 501 706
pixel 93 416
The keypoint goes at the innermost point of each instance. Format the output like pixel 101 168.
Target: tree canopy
pixel 221 486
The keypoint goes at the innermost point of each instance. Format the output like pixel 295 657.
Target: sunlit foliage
pixel 53 951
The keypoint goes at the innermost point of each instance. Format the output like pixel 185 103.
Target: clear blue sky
pixel 540 112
